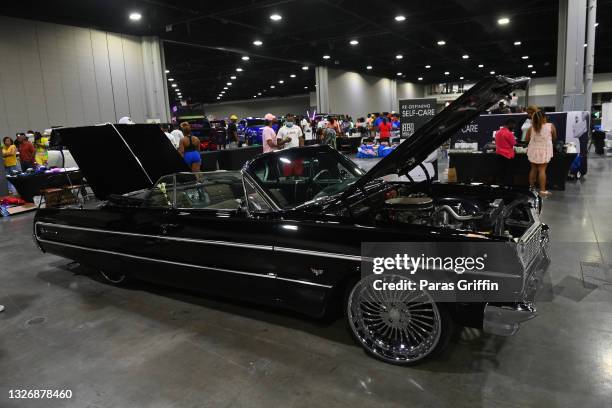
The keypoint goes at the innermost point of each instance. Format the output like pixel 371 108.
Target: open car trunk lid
pixel 118 159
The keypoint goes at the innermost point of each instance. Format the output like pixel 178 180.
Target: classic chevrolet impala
pixel 287 229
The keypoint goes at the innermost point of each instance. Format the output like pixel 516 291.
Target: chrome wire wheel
pixel 400 327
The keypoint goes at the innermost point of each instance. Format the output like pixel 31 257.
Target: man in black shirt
pixel 232 132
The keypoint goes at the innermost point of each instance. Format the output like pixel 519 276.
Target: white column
pixel 393 94
pixel 590 54
pixel 156 86
pixel 570 55
pixel 322 81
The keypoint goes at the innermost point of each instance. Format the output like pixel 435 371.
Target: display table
pixel 29 185
pixel 229 159
pixel 486 168
pixel 348 144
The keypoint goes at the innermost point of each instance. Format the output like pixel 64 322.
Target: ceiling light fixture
pixel 305 68
pixel 420 78
pixel 281 82
pixel 525 57
pixel 326 57
pixel 530 66
pixel 259 93
pixel 292 76
pixel 399 56
pixel 170 79
pixel 225 87
pixel 517 43
pixel 276 17
pixel 174 85
pixel 465 56
pixel 480 66
pixel 369 67
pixel 257 43
pixel 400 18
pixel 354 42
pixel 399 74
pixel 305 87
pixel 446 73
pixel 492 72
pixel 239 70
pixel 245 58
pixel 167 71
pixel 228 84
pixel 233 77
pixel 135 16
pixel 461 78
pixel 427 66
pixel 441 42
pixel 534 72
pixel 503 21
pixel 218 97
pixel 272 86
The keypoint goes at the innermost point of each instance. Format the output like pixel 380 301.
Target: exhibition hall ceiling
pixel 262 43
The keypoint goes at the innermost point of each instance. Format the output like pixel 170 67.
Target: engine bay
pixel 507 215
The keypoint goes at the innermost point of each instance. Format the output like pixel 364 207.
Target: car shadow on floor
pixel 330 327
pixel 469 351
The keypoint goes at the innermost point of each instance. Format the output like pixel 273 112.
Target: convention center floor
pixel 150 346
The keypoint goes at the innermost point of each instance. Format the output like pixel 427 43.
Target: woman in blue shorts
pixel 190 148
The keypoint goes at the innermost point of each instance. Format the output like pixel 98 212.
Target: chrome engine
pixel 461 213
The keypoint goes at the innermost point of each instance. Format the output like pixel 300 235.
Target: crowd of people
pixel 26 152
pixel 540 135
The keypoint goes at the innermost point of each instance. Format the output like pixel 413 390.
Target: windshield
pixel 295 176
pixel 255 122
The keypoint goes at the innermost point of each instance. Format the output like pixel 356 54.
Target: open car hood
pixel 118 159
pixel 412 152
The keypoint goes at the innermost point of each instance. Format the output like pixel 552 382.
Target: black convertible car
pixel 287 229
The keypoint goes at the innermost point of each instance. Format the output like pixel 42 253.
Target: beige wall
pixel 259 107
pixel 358 94
pixel 54 74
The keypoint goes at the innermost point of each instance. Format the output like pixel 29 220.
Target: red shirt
pixel 26 152
pixel 385 130
pixel 504 143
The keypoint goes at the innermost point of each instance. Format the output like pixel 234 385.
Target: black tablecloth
pixel 29 185
pixel 229 159
pixel 486 168
pixel 348 144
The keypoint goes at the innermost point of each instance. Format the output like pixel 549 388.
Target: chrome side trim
pixel 131 234
pixel 144 258
pixel 212 242
pixel 318 253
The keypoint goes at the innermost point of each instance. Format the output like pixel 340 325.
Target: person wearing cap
pixel 126 120
pixel 270 141
pixel 232 132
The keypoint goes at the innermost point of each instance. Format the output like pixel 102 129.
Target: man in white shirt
pixel 165 128
pixel 291 131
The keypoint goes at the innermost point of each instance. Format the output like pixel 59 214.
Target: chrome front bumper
pixel 505 319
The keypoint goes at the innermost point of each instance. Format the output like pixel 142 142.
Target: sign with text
pixel 414 113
